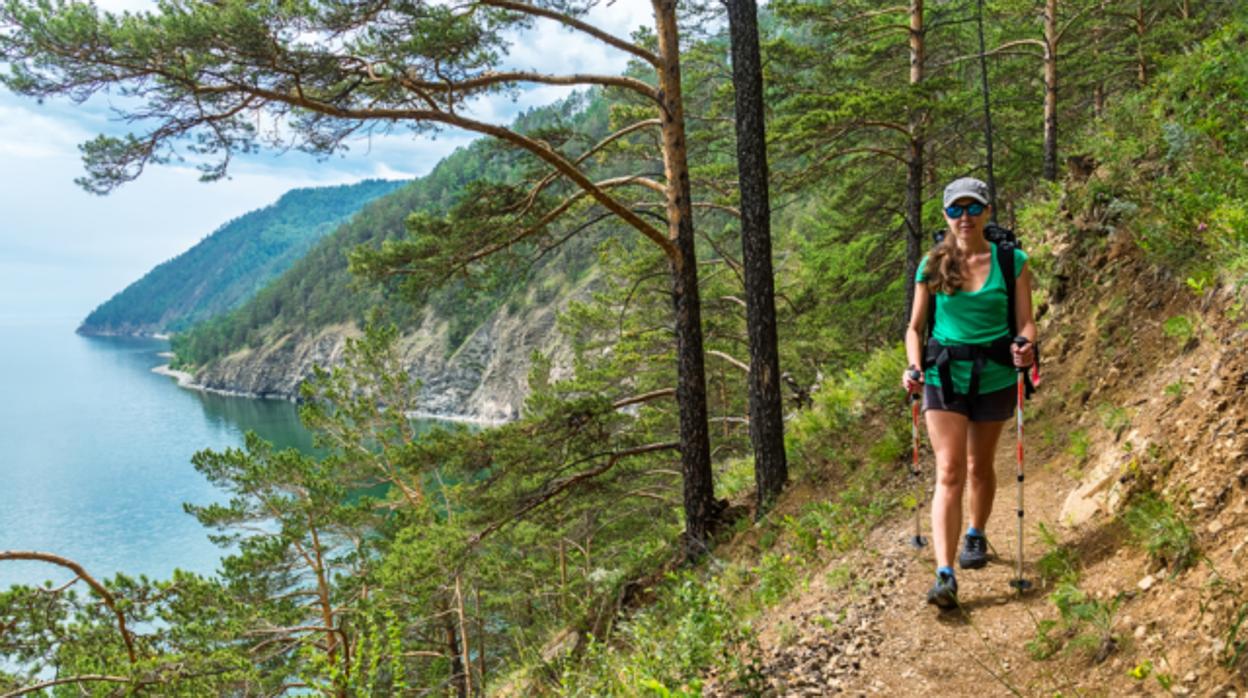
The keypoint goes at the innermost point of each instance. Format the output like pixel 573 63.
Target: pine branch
pixel 553 489
pixel 109 600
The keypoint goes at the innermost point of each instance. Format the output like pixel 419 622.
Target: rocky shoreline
pixel 139 332
pixel 187 381
pixel 484 381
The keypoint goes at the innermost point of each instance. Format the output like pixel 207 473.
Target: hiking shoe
pixel 944 593
pixel 974 552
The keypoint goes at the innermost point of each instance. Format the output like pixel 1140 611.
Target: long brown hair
pixel 946 267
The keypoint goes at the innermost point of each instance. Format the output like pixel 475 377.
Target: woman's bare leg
pixel 982 440
pixel 948 432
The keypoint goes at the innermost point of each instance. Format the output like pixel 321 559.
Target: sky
pixel 64 251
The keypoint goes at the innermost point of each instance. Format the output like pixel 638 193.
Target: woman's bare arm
pixel 1023 315
pixel 914 330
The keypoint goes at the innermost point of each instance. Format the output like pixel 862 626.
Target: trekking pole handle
pixel 915 375
pixel 1020 341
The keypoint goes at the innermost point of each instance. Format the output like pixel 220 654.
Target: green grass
pixel 839 577
pixel 1084 624
pixel 839 524
pixel 1179 328
pixel 1236 646
pixel 690 629
pixel 1078 445
pixel 1113 417
pixel 1060 563
pixel 776 576
pixel 1155 526
pixel 734 477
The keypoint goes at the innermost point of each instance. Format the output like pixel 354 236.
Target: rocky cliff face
pixel 485 379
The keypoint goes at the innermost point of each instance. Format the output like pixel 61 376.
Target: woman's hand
pixel 1024 354
pixel 912 380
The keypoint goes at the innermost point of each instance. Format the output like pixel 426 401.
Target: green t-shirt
pixel 974 317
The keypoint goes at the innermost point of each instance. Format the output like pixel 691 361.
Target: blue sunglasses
pixel 955 211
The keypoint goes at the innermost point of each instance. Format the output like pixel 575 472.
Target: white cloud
pixel 27 134
pixel 550 47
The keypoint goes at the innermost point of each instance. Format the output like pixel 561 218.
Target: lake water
pixel 95 453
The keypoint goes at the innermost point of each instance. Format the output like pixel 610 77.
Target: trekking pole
pixel 917 541
pixel 1020 583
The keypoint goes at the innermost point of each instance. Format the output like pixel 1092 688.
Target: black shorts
pixel 996 406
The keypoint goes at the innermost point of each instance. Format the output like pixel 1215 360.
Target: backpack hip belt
pixel 941 357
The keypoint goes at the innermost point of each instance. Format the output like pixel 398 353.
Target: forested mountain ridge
pixel 469 344
pixel 233 263
pixel 319 290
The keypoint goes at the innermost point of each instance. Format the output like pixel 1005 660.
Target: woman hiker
pixel 972 349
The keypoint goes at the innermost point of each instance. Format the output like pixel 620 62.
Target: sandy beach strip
pixel 185 380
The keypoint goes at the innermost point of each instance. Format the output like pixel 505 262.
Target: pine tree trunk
pixel 771 470
pixel 695 446
pixel 1098 89
pixel 463 635
pixel 1050 90
pixel 458 673
pixel 914 162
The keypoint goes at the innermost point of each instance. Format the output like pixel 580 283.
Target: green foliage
pixel 1113 417
pixel 1185 126
pixel 1043 645
pixel 777 576
pixel 1076 611
pixel 1060 563
pixel 1179 328
pixel 840 576
pixel 1156 526
pixel 1236 646
pixel 734 478
pixel 1084 624
pixel 839 524
pixel 825 431
pixel 548 525
pixel 1078 445
pixel 689 629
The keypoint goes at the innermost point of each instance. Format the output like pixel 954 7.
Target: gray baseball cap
pixel 966 187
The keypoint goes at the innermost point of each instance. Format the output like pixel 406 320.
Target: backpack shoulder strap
pixel 1005 260
pixel 931 315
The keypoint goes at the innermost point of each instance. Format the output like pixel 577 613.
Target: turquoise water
pixel 95 453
